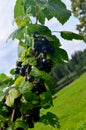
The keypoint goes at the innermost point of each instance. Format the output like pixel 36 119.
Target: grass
pixel 69 107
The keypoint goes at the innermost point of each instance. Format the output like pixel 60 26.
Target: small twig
pixel 13 115
pixel 36 15
pixel 56 31
pixel 26 75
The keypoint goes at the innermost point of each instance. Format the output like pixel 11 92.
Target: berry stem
pixel 36 14
pixel 13 115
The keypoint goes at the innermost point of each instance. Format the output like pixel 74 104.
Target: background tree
pixel 79 10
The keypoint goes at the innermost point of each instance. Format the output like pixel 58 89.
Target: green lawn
pixel 69 107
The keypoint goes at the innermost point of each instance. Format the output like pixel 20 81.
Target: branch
pixel 13 115
pixel 56 31
pixel 36 14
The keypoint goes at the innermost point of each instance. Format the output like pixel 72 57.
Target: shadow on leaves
pixel 50 119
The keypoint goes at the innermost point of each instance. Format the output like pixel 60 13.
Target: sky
pixel 8 51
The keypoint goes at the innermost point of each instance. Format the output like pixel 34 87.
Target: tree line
pixel 75 66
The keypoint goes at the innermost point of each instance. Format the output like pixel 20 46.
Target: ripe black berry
pixel 22 72
pixel 52 50
pixel 28 119
pixel 40 80
pixel 17 70
pixel 35 114
pixel 44 49
pixel 30 78
pixel 19 63
pixel 24 67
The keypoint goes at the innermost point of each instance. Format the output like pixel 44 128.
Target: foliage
pixel 69 107
pixel 76 65
pixel 31 86
pixel 79 10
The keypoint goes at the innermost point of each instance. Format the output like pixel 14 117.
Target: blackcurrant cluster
pixel 39 87
pixel 42 47
pixel 22 69
pixel 32 116
pixel 12 112
pixel 44 64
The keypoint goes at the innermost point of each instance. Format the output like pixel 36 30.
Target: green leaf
pixel 2 76
pixel 12 95
pixel 4 79
pixel 19 13
pixel 39 29
pixel 60 55
pixel 29 96
pixel 47 9
pixel 20 50
pixel 70 35
pixel 12 72
pixel 46 99
pixel 18 81
pixel 25 86
pixel 25 105
pixel 50 119
pixel 22 20
pixel 19 123
pixel 19 8
pixel 18 34
pixel 63 54
pixel 58 10
pixel 31 60
pixel 29 40
pixel 41 16
pixel 31 29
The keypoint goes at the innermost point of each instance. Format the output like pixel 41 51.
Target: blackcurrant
pixel 35 116
pixel 24 67
pixel 28 119
pixel 19 63
pixel 22 72
pixel 41 80
pixel 17 70
pixel 44 61
pixel 48 69
pixel 44 49
pixel 51 50
pixel 30 78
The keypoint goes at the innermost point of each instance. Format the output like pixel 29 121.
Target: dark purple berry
pixel 44 49
pixel 24 67
pixel 19 63
pixel 40 80
pixel 30 78
pixel 17 70
pixel 52 50
pixel 22 72
pixel 28 119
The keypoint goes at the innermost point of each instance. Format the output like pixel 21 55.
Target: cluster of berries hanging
pixel 38 88
pixel 41 48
